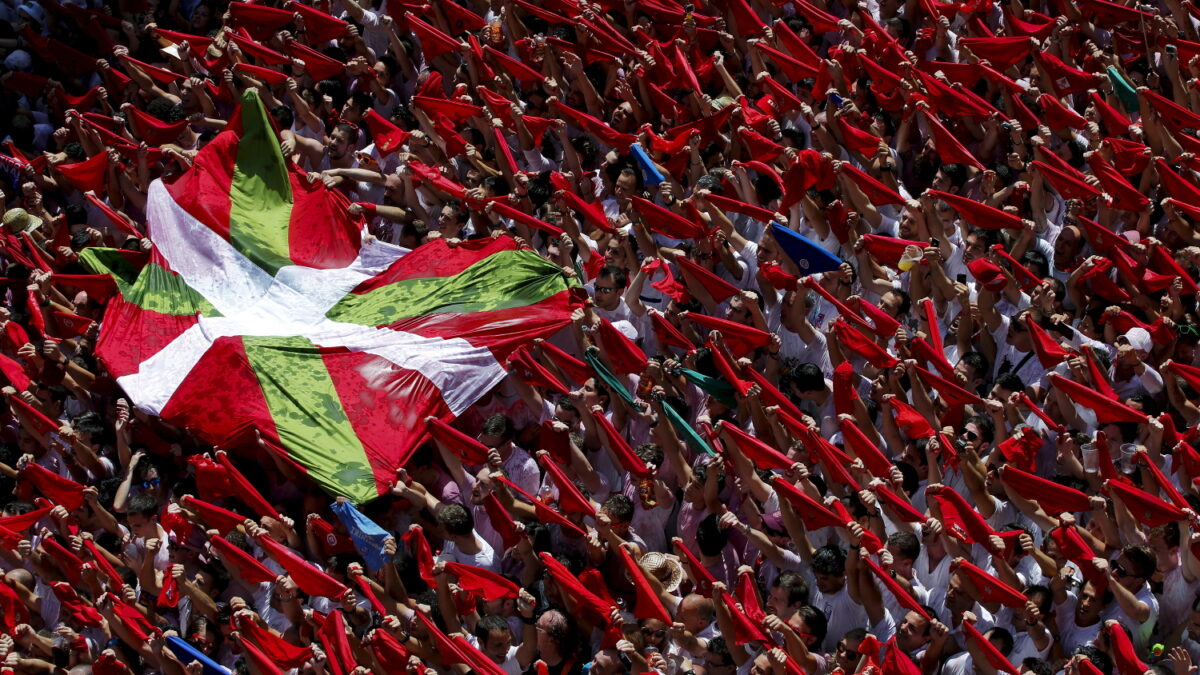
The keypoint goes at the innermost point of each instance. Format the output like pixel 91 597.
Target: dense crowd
pixel 887 362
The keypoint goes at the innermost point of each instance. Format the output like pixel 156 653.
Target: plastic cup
pixel 1091 458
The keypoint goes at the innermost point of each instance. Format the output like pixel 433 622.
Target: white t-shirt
pixel 485 559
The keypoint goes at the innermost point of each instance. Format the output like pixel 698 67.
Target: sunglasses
pixel 1120 571
pixel 1189 329
pixel 970 435
pixel 153 482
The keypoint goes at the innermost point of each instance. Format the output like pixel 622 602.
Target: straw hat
pixel 666 568
pixel 19 220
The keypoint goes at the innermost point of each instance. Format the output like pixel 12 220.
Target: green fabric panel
pixel 500 281
pixel 260 197
pixel 154 288
pixel 100 260
pixel 309 415
pixel 713 386
pixel 1123 89
pixel 615 385
pixel 163 291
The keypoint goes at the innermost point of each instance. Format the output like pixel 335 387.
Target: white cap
pixel 33 11
pixel 626 328
pixel 1139 339
pixel 19 60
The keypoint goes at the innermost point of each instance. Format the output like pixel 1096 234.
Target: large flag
pixel 263 308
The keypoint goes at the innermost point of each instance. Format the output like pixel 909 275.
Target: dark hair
pixel 807 377
pixel 283 116
pixel 1038 666
pixel 456 519
pixel 700 471
pixel 1005 638
pixel 817 623
pixel 829 559
pixel 144 505
pixel 794 584
pixel 987 428
pixel 710 537
pixel 617 274
pixel 1010 382
pixel 619 507
pixel 905 300
pixel 1143 559
pixel 486 625
pixel 906 543
pixel 650 453
pixel 1098 658
pixel 499 425
pixel 977 362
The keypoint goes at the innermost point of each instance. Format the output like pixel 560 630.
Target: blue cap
pixel 810 258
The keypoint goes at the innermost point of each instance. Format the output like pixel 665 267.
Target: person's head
pixel 718 661
pixel 1001 639
pixel 808 382
pixel 788 593
pixel 913 631
pixel 710 537
pixel 498 433
pixel 811 625
pixel 829 568
pixel 846 655
pixel 456 521
pixel 895 303
pixel 610 285
pixel 972 371
pixel 905 547
pixel 976 245
pixel 494 636
pixel 555 634
pixel 978 433
pixel 1067 247
pixel 1092 601
pixel 451 218
pixel 1101 660
pixel 625 186
pixel 594 392
pixel 693 492
pixel 341 141
pixel 607 662
pixel 141 514
pixel 619 510
pixel 654 632
pixel 1134 567
pixel 696 612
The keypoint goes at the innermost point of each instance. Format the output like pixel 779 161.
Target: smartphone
pixel 934 242
pixel 836 100
pixel 962 278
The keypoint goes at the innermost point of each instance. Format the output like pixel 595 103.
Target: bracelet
pixel 528 621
